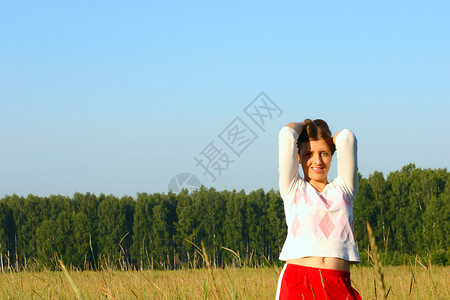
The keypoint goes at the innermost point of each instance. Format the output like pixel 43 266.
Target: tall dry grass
pixel 377 265
pixel 413 281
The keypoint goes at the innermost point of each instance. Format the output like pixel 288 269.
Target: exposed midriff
pixel 332 263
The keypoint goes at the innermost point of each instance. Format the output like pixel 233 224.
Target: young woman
pixel 320 245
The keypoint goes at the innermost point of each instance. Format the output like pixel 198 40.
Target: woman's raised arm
pixel 347 163
pixel 288 156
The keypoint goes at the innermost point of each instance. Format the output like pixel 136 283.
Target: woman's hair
pixel 316 130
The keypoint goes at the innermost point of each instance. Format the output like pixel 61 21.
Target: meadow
pixel 411 281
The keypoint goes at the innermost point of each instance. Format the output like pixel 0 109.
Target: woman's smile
pixel 315 158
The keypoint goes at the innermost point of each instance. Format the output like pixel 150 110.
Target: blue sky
pixel 119 97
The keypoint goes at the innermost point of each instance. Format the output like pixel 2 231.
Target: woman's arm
pixel 297 126
pixel 347 164
pixel 288 156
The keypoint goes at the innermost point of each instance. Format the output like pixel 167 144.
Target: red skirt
pixel 299 282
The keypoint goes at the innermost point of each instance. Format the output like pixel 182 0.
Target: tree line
pixel 408 210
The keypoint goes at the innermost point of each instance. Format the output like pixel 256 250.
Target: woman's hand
pixel 335 137
pixel 297 126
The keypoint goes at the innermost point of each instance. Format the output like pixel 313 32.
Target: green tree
pixel 28 215
pixel 379 190
pixel 436 223
pixel 186 226
pixel 110 229
pixel 7 230
pixel 82 242
pixel 87 205
pixel 163 230
pixel 142 227
pixel 364 210
pixel 234 232
pixel 126 207
pixel 276 226
pixel 47 251
pixel 399 183
pixel 255 222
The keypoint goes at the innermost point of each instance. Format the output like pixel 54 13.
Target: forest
pixel 408 210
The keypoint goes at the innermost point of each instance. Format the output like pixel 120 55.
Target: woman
pixel 320 245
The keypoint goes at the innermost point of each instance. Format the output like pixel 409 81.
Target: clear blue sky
pixel 117 97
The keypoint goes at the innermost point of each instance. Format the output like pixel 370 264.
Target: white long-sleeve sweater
pixel 319 224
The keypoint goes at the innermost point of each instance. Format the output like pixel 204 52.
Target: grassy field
pixel 403 282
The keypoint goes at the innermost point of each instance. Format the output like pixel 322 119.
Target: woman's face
pixel 315 158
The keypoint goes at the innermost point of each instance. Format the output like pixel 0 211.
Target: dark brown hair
pixel 314 131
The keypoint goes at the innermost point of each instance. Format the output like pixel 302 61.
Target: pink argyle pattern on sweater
pixel 295 226
pixel 326 225
pixel 344 229
pixel 326 202
pixel 301 195
pixel 323 222
pixel 297 197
